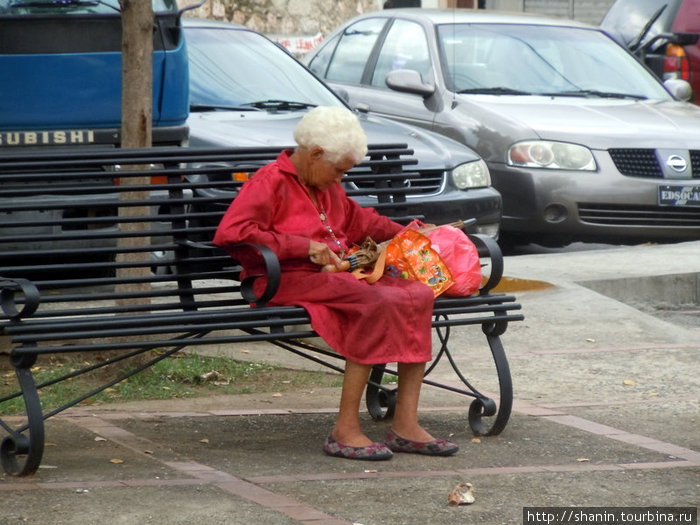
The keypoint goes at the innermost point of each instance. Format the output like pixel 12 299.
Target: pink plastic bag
pixel 460 256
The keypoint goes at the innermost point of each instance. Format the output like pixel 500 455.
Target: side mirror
pixel 680 39
pixel 408 81
pixel 685 39
pixel 342 93
pixel 679 88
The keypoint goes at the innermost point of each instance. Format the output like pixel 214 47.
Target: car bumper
pixel 603 206
pixel 482 204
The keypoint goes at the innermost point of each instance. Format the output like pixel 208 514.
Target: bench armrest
pixel 272 270
pixel 488 247
pixel 8 294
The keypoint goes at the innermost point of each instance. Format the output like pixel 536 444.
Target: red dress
pixel 384 322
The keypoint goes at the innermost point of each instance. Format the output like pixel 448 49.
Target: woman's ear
pixel 316 153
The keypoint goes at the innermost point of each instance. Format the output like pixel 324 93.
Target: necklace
pixel 324 219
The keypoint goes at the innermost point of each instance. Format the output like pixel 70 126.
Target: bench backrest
pixel 104 231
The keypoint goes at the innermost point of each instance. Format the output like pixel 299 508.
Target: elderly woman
pixel 297 207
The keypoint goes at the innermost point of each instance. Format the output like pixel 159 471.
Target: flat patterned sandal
pixel 373 452
pixel 436 447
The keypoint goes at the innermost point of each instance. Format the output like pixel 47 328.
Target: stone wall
pixel 315 19
pixel 285 18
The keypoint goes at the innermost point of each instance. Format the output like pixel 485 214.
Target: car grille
pixel 430 182
pixel 619 215
pixel 638 162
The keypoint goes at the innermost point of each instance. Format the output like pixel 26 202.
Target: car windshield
pixel 239 69
pixel 542 60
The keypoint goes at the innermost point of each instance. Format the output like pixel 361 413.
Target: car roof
pixel 206 23
pixel 481 16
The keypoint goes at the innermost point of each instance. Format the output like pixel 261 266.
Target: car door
pixel 365 53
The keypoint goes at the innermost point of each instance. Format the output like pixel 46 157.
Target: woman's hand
pixel 321 254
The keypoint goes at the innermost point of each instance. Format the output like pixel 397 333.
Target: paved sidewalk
pixel 606 414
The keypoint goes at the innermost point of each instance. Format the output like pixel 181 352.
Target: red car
pixel 663 34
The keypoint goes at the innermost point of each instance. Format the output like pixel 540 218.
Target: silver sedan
pixel 582 141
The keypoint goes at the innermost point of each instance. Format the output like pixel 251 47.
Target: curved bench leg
pixel 486 417
pixel 22 450
pixel 485 407
pixel 380 401
pixel 482 407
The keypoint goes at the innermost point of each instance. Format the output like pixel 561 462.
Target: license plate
pixel 679 195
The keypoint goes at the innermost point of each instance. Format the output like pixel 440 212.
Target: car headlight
pixel 552 155
pixel 471 175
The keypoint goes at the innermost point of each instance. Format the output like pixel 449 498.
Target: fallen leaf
pixel 148 452
pixel 277 394
pixel 476 440
pixel 100 438
pixel 462 494
pixel 590 340
pixel 205 441
pixel 583 460
pixel 244 351
pixel 116 461
pixel 651 394
pixel 49 444
pixel 212 376
pixel 628 382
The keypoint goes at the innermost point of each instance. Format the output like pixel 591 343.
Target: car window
pixel 353 50
pixel 626 19
pixel 319 64
pixel 405 47
pixel 540 60
pixel 238 67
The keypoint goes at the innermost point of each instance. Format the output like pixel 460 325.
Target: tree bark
pixel 137 73
pixel 137 113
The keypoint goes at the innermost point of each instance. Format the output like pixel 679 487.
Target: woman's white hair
pixel 334 129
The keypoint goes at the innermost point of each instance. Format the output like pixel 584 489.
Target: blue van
pixel 60 87
pixel 61 73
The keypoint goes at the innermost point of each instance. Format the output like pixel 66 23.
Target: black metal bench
pixel 88 266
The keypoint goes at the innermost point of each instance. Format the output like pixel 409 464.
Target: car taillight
pixel 676 63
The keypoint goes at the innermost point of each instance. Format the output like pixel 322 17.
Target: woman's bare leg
pixel 405 422
pixel 347 428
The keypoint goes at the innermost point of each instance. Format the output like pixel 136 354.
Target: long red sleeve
pixel 274 208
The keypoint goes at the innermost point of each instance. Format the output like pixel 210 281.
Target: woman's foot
pixel 350 435
pixel 412 432
pixel 431 447
pixel 371 452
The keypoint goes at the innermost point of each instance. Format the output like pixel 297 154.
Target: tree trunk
pixel 137 103
pixel 137 113
pixel 137 73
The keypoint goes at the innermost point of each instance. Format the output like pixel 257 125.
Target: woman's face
pixel 322 173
